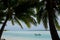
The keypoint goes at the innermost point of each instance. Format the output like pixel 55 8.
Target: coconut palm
pixel 16 10
pixel 47 13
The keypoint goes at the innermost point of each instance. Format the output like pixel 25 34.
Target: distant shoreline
pixel 28 30
pixel 31 30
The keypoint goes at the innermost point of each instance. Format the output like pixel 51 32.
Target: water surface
pixel 38 35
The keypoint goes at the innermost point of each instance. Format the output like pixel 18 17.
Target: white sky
pixel 16 27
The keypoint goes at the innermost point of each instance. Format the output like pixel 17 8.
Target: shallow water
pixel 38 35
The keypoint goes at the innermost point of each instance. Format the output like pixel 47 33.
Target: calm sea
pixel 38 35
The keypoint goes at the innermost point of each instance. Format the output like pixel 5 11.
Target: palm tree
pixel 46 12
pixel 16 10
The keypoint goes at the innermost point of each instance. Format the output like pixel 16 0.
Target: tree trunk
pixel 50 5
pixel 53 31
pixel 3 26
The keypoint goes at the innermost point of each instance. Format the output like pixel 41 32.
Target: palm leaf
pixel 38 19
pixel 17 21
pixel 57 25
pixel 27 23
pixel 27 19
pixel 45 23
pixel 12 21
pixel 30 12
pixel 44 19
pixel 32 20
pixel 39 15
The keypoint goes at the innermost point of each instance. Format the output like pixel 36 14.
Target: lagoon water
pixel 37 35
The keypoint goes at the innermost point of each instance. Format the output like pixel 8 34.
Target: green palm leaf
pixel 27 19
pixel 39 15
pixel 17 21
pixel 12 21
pixel 57 25
pixel 44 19
pixel 27 23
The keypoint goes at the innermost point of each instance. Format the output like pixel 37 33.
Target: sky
pixel 16 27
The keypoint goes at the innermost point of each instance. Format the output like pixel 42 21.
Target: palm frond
pixel 44 19
pixel 57 25
pixel 27 19
pixel 39 15
pixel 32 20
pixel 17 21
pixel 12 21
pixel 30 12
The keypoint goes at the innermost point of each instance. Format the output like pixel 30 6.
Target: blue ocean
pixel 37 35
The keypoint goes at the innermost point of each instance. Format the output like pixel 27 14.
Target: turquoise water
pixel 29 34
